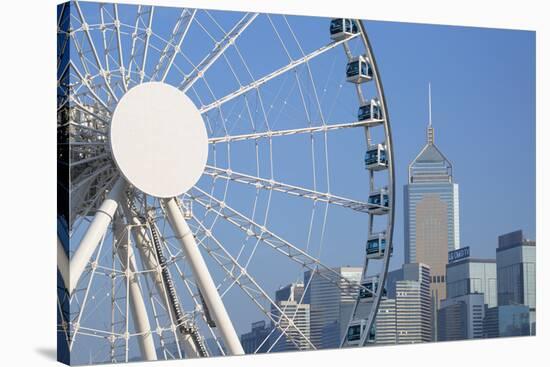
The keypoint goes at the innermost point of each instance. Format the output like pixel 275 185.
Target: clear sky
pixel 483 98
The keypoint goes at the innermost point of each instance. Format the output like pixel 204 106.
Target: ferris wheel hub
pixel 159 140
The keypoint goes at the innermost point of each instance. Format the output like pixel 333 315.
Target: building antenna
pixel 430 103
pixel 430 131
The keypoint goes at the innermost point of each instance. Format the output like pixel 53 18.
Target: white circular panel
pixel 158 140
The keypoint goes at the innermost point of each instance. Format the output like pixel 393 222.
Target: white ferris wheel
pixel 205 158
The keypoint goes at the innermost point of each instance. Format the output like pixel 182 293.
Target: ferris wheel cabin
pixel 376 158
pixel 356 330
pixel 370 286
pixel 379 202
pixel 358 70
pixel 342 28
pixel 376 245
pixel 370 112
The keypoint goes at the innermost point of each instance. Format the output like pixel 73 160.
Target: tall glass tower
pixel 431 213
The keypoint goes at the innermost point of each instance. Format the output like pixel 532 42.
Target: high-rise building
pixel 507 320
pixel 296 324
pixel 413 312
pixel 386 323
pixel 330 299
pixel 516 272
pixel 461 317
pixel 431 213
pixel 256 341
pixel 469 276
pixel 414 272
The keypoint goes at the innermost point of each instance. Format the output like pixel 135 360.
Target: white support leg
pixel 62 263
pixel 93 235
pixel 137 304
pixel 202 277
pixel 147 254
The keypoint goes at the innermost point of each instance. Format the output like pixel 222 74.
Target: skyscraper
pixel 386 323
pixel 330 304
pixel 431 212
pixel 516 272
pixel 256 341
pixel 413 312
pixel 296 323
pixel 506 320
pixel 469 276
pixel 461 317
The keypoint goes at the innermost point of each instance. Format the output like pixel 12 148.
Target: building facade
pixel 386 322
pixel 413 312
pixel 431 204
pixel 470 276
pixel 330 304
pixel 296 324
pixel 516 268
pixel 256 341
pixel 461 317
pixel 507 320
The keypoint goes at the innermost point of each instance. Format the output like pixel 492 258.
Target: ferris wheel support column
pixel 146 251
pixel 202 276
pixel 137 304
pixel 94 234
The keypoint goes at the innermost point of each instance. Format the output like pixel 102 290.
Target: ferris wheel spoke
pixel 243 279
pixel 267 184
pixel 173 46
pixel 107 48
pixel 144 15
pixel 103 156
pixel 219 49
pixel 84 81
pixel 305 130
pixel 119 48
pixel 259 82
pixel 102 71
pixel 91 113
pixel 266 236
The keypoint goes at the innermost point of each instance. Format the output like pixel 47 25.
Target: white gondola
pixel 359 70
pixel 376 245
pixel 341 28
pixel 379 202
pixel 376 158
pixel 369 287
pixel 371 112
pixel 356 330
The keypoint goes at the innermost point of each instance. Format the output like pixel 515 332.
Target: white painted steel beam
pixel 202 277
pixel 137 304
pixel 218 50
pixel 267 184
pixel 305 130
pixel 147 254
pixel 292 65
pixel 94 234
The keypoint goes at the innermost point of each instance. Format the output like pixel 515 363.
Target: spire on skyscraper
pixel 430 131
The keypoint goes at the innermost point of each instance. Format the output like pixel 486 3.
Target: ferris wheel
pixel 205 158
